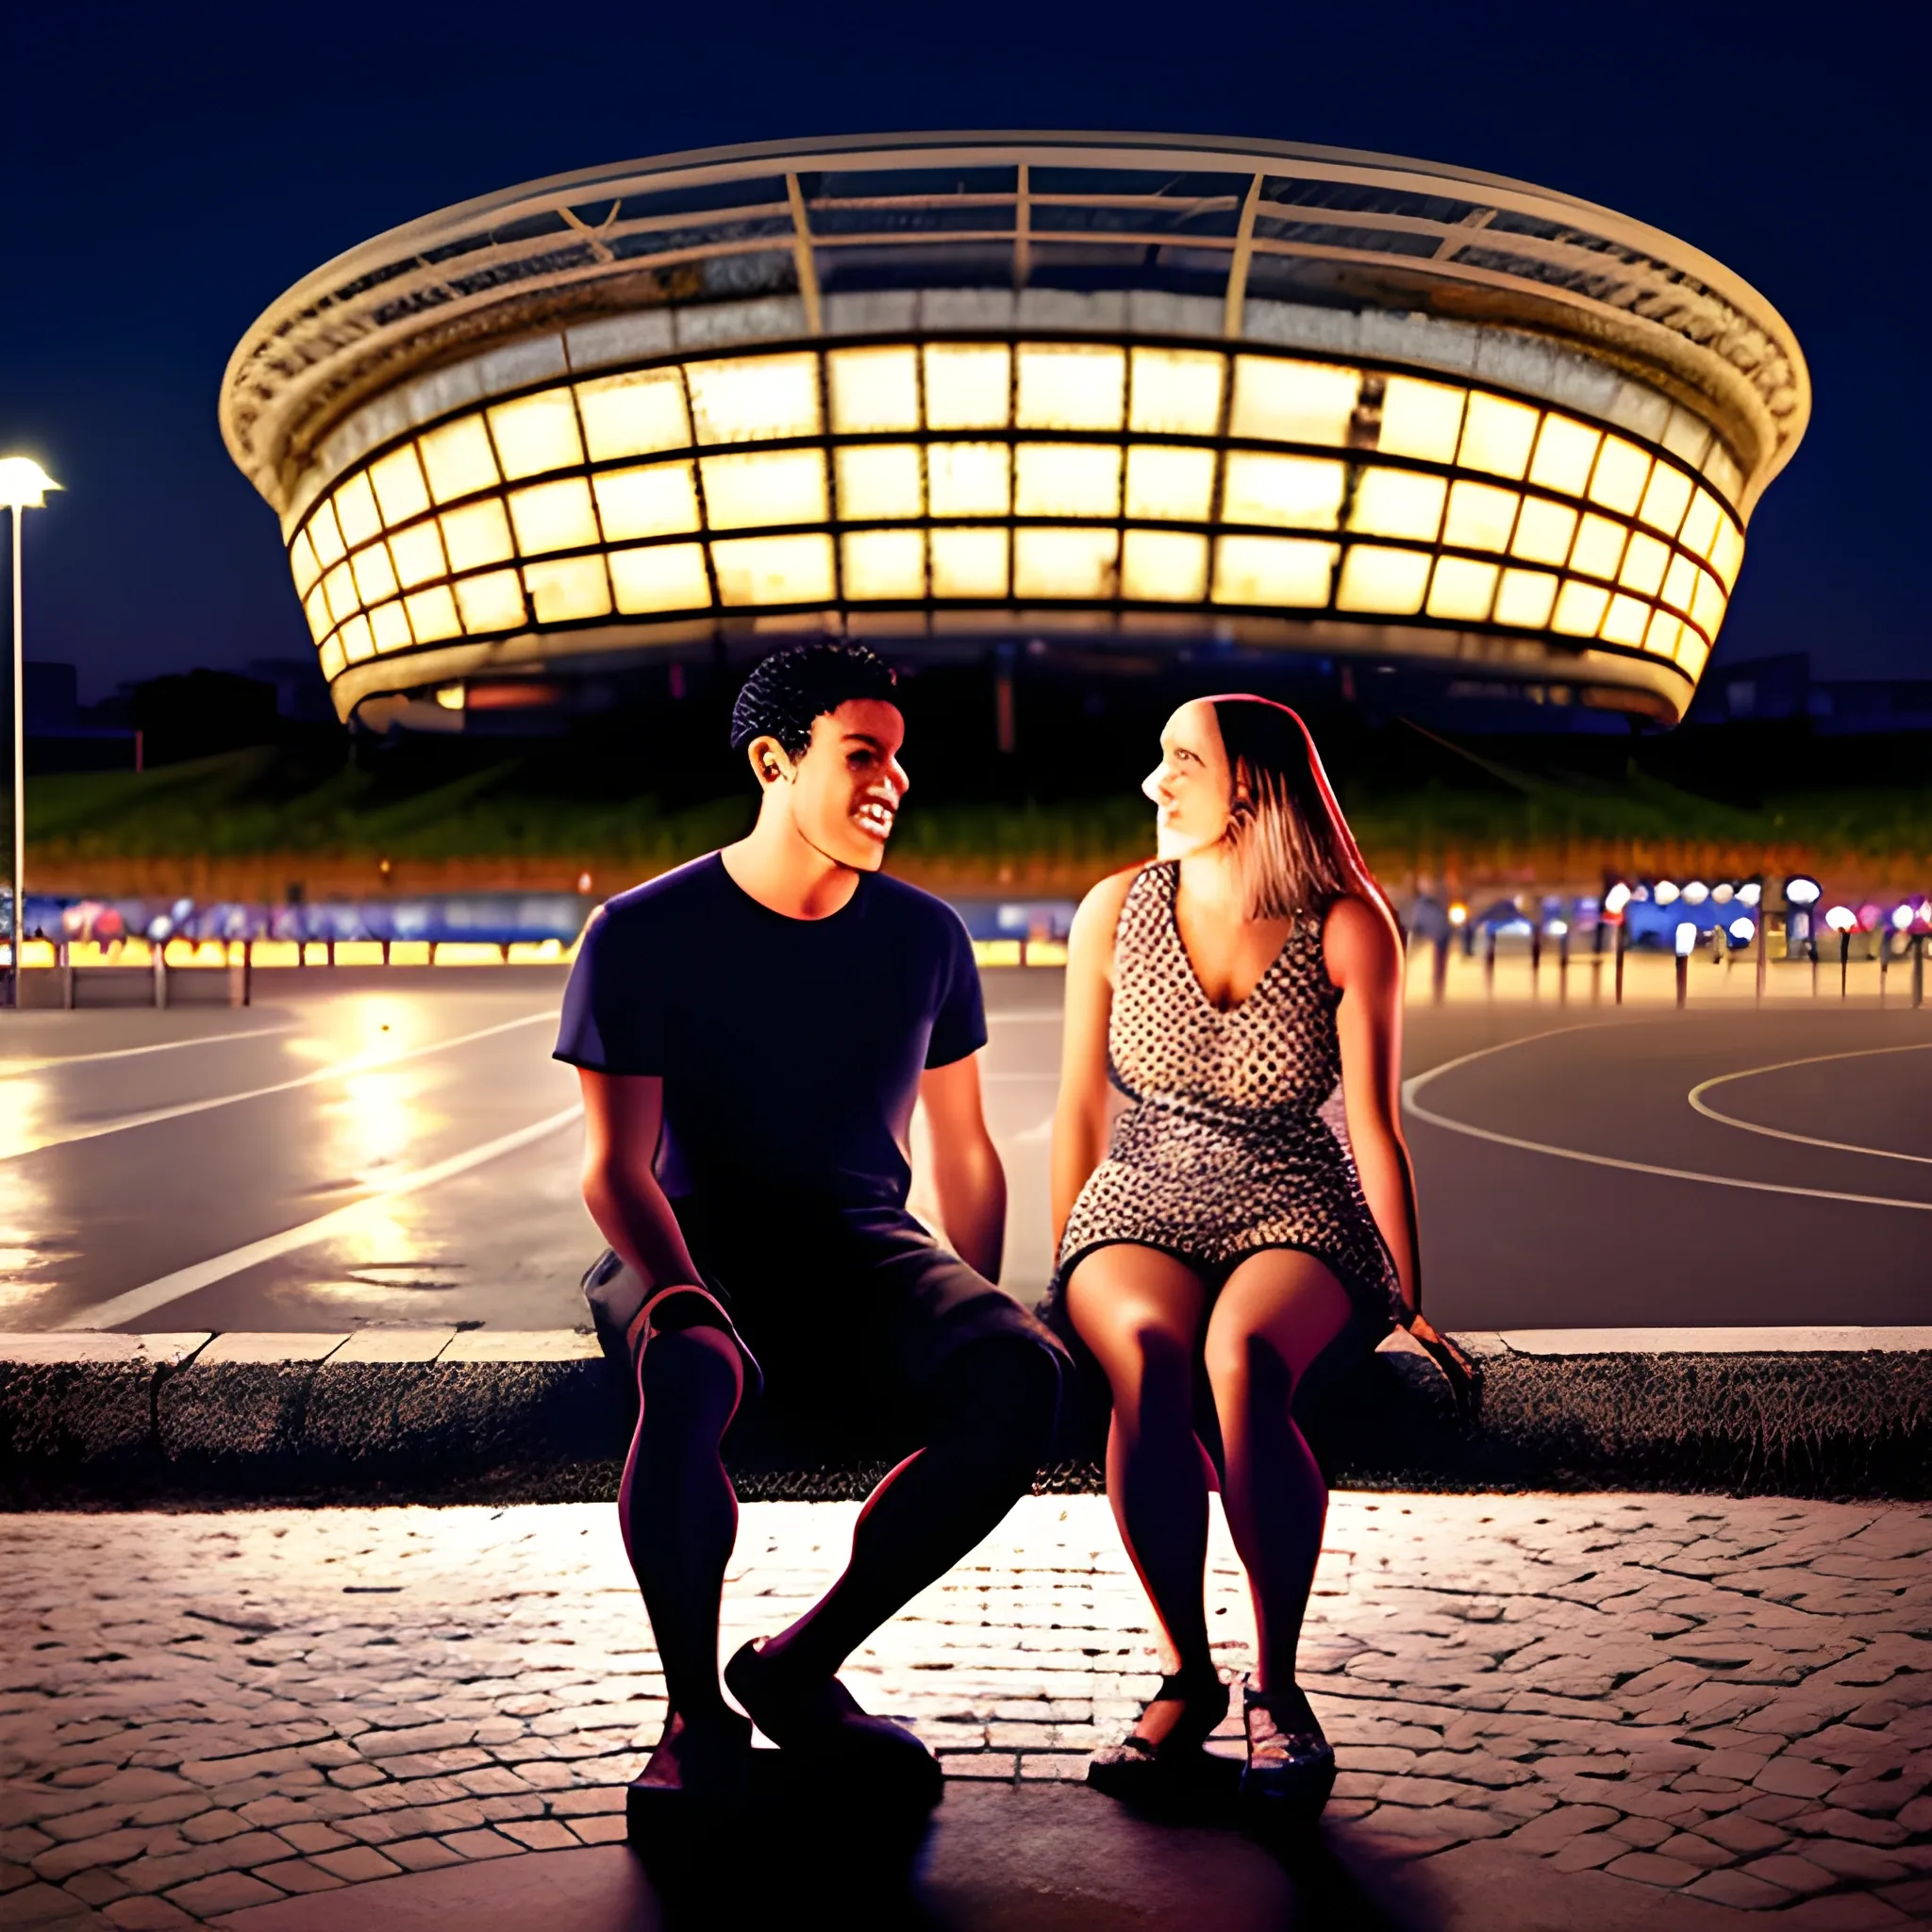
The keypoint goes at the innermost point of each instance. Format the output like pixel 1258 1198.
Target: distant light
pixel 1901 917
pixel 1616 899
pixel 1687 939
pixel 23 485
pixel 1801 890
pixel 1870 917
pixel 1458 914
pixel 1842 918
pixel 1556 928
pixel 1749 894
pixel 1696 892
pixel 450 696
pixel 1723 894
pixel 1743 930
pixel 1666 893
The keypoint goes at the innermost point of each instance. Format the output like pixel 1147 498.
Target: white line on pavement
pixel 8 1068
pixel 1413 1086
pixel 1703 1087
pixel 360 1063
pixel 142 1300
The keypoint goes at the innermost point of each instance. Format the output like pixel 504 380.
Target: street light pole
pixel 24 486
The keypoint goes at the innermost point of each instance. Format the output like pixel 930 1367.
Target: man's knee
pixel 1006 1391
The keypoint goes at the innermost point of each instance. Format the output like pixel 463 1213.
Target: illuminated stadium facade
pixel 945 391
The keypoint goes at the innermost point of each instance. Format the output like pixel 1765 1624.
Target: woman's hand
pixel 1464 1377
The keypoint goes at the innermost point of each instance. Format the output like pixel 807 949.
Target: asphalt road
pixel 400 1148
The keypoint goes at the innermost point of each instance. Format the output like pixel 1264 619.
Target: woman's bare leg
pixel 1140 1312
pixel 1278 1310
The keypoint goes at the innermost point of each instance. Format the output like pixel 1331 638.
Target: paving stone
pixel 1738 1890
pixel 225 1891
pixel 421 1854
pixel 297 1875
pixel 1653 1868
pixel 96 1887
pixel 1786 1869
pixel 141 1914
pixel 1845 1912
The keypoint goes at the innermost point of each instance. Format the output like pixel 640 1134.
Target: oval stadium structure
pixel 945 391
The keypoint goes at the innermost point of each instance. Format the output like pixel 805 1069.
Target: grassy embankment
pixel 246 824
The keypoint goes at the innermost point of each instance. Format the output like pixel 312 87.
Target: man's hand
pixel 966 1173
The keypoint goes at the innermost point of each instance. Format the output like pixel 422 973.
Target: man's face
pixel 846 789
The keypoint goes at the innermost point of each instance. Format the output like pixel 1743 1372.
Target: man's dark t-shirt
pixel 791 1049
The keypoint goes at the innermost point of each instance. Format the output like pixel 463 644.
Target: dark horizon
pixel 164 192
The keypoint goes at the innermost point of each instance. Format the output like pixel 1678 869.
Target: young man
pixel 752 1032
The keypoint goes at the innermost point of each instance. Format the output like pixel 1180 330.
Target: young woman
pixel 1232 1225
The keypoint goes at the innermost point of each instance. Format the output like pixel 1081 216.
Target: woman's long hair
pixel 1296 854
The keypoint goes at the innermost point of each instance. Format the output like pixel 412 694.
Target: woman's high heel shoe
pixel 1289 1772
pixel 1138 1766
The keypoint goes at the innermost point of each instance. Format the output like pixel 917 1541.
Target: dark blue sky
pixel 164 174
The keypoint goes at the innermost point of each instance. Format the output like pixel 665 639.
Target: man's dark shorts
pixel 845 1316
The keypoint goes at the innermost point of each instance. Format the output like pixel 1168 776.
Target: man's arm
pixel 623 1115
pixel 966 1173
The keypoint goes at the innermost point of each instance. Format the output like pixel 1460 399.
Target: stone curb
pixel 445 1415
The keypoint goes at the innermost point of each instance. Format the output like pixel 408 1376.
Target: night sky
pixel 169 171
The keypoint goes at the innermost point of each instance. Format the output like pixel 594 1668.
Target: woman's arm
pixel 624 1114
pixel 1081 1115
pixel 966 1173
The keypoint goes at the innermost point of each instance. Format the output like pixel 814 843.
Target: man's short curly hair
pixel 790 689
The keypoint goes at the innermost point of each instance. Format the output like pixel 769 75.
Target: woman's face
pixel 1191 786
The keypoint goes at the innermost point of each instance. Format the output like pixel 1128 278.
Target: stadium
pixel 950 392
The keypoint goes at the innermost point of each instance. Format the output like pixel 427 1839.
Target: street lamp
pixel 1844 921
pixel 24 486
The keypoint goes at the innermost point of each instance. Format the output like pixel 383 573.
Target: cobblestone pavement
pixel 1729 1699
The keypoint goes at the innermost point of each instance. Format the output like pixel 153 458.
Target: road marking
pixel 361 1063
pixel 1413 1086
pixel 8 1068
pixel 1703 1087
pixel 142 1300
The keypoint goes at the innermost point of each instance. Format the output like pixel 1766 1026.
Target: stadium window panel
pixel 969 563
pixel 969 479
pixel 1680 583
pixel 327 535
pixel 1462 589
pixel 1564 452
pixel 1708 606
pixel 1176 392
pixel 1164 567
pixel 566 590
pixel 655 500
pixel 1661 637
pixel 1480 516
pixel 457 459
pixel 1727 552
pixel 376 577
pixel 1278 401
pixel 1692 653
pixel 536 434
pixel 1294 492
pixel 1071 385
pixel 356 639
pixel 1420 418
pixel 1599 547
pixel 755 398
pixel 400 491
pixel 1622 472
pixel 1626 621
pixel 389 625
pixel 1066 562
pixel 338 587
pixel 668 577
pixel 303 564
pixel 1701 523
pixel 478 533
pixel 433 614
pixel 881 479
pixel 775 570
pixel 1666 497
pixel 883 563
pixel 1497 436
pixel 766 486
pixel 355 511
pixel 634 415
pixel 333 662
pixel 1545 531
pixel 1644 564
pixel 1398 502
pixel 1270 571
pixel 968 385
pixel 1526 597
pixel 553 516
pixel 1373 579
pixel 1067 479
pixel 1579 609
pixel 417 553
pixel 873 390
pixel 1176 485
pixel 493 601
pixel 321 619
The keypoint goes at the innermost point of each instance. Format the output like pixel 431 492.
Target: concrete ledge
pixel 442 1414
